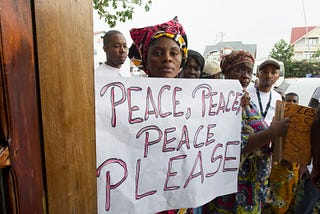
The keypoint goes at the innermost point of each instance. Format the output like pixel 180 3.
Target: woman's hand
pixel 245 99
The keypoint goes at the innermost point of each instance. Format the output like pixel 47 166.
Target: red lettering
pixel 163 115
pixel 133 108
pixel 205 93
pixel 226 158
pixel 110 186
pixel 184 138
pixel 112 98
pixel 176 102
pixel 137 182
pixel 171 174
pixel 209 134
pixel 236 103
pixel 231 93
pixel 147 142
pixel 222 103
pixel 167 141
pixel 211 104
pixel 149 99
pixel 195 139
pixel 198 161
pixel 214 159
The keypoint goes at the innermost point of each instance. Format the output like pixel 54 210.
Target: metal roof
pixel 234 45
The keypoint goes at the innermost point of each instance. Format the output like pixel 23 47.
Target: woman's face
pixel 242 73
pixel 191 69
pixel 164 58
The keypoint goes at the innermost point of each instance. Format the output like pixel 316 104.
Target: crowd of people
pixel 162 51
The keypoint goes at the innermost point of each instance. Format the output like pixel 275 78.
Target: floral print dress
pixel 253 174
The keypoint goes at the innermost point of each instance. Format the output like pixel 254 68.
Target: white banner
pixel 165 143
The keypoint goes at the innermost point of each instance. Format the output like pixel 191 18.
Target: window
pixel 307 55
pixel 313 41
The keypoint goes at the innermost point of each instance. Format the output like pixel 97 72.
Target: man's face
pixel 268 75
pixel 116 50
pixel 292 99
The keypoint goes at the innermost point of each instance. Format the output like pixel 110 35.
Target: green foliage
pixel 118 10
pixel 302 68
pixel 316 55
pixel 282 51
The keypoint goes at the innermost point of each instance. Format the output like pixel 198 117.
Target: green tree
pixel 118 10
pixel 283 51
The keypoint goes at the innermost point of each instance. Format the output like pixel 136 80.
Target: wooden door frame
pixel 46 48
pixel 22 126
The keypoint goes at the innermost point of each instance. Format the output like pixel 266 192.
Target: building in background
pixel 215 52
pixel 305 41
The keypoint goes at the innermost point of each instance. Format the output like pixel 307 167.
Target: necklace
pixel 264 113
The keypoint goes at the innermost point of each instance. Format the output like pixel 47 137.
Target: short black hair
pixel 291 94
pixel 108 34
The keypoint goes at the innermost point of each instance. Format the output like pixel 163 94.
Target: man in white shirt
pixel 263 95
pixel 116 49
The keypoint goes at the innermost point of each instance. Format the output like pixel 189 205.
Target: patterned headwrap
pixel 143 37
pixel 236 58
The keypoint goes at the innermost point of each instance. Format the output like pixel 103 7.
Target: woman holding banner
pixel 163 52
pixel 255 162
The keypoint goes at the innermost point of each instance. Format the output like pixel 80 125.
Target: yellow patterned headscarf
pixel 143 37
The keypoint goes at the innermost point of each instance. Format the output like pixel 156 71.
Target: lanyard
pixel 264 113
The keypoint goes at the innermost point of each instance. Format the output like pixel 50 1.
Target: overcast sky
pixel 260 22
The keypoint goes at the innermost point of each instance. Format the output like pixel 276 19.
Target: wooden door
pixel 47 107
pixel 23 182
